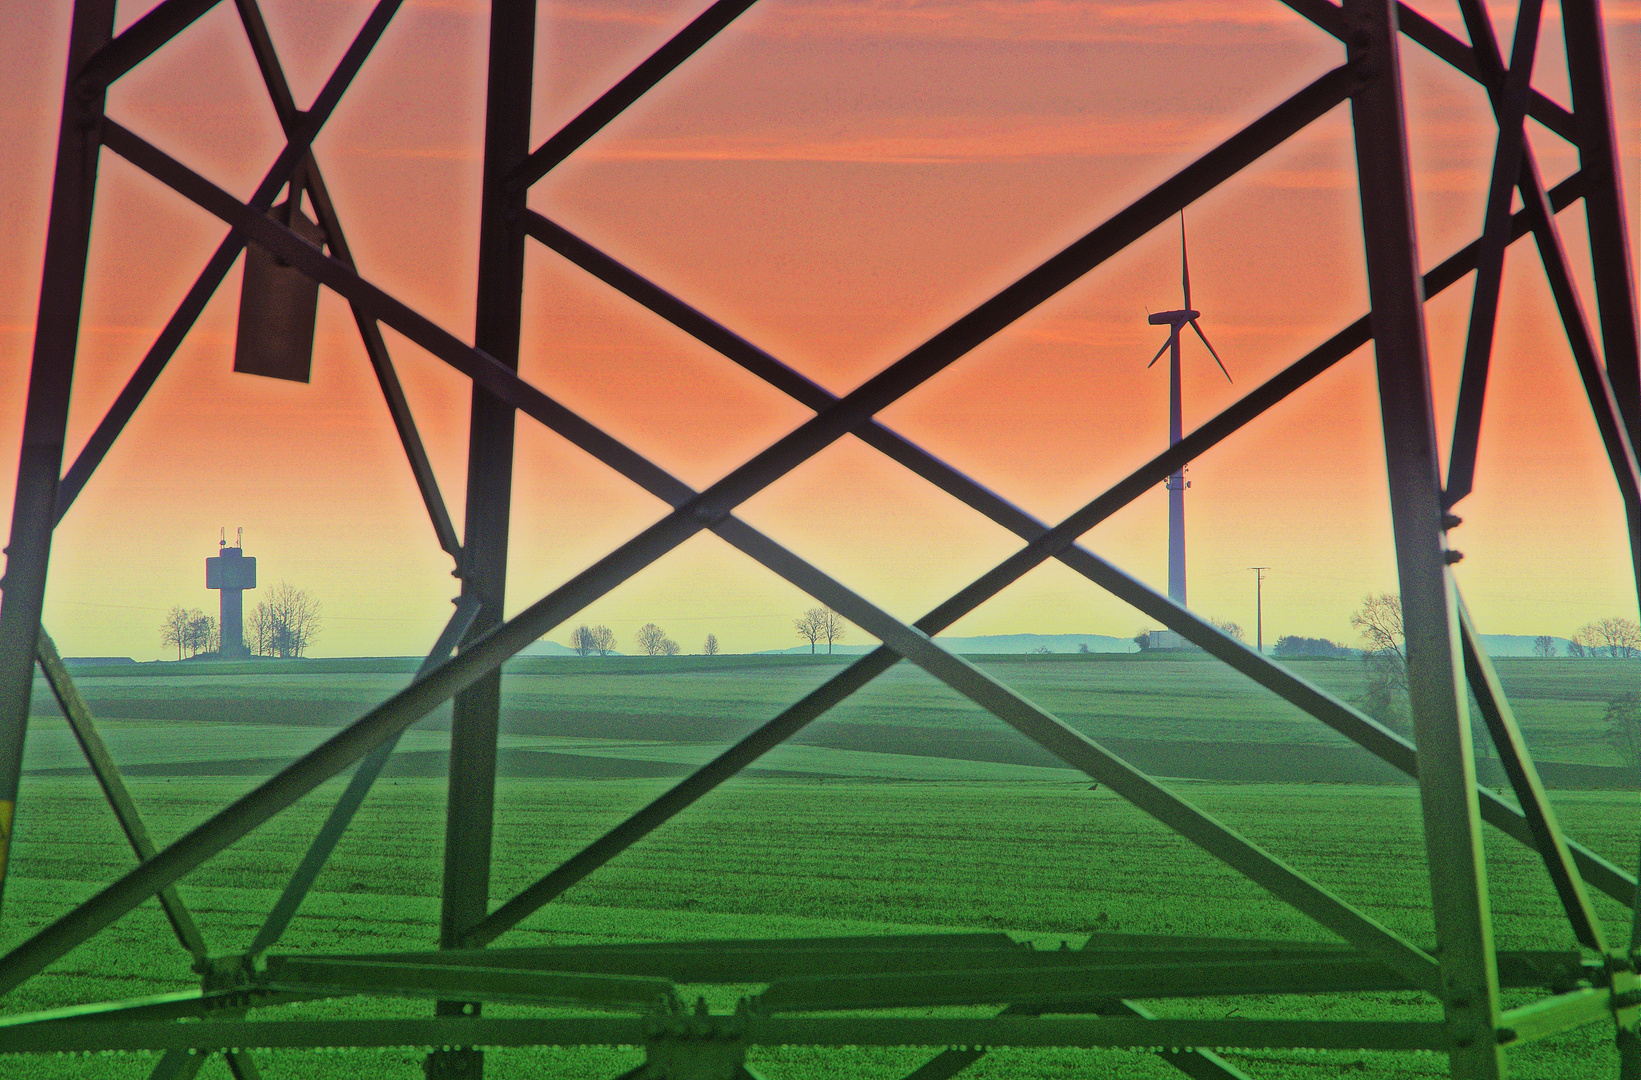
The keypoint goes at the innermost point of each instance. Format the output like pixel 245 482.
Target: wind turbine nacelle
pixel 1170 318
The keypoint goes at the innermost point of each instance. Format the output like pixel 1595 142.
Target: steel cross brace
pixel 174 1064
pixel 526 638
pixel 967 679
pixel 767 367
pixel 182 320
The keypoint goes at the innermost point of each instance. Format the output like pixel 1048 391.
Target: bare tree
pixel 1575 645
pixel 1229 629
pixel 1544 646
pixel 811 626
pixel 292 618
pixel 652 639
pixel 1384 697
pixel 710 647
pixel 1620 637
pixel 603 640
pixel 202 633
pixel 259 630
pixel 670 647
pixel 174 630
pixel 583 640
pixel 832 628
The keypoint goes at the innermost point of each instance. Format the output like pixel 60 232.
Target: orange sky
pixel 836 182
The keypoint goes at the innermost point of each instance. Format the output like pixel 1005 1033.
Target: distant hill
pixel 1518 644
pixel 547 648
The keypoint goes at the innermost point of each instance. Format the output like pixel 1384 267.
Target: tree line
pixel 814 626
pixel 283 625
pixel 600 641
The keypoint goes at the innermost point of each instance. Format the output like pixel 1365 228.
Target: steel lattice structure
pixel 1088 988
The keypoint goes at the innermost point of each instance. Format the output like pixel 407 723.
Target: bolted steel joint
pixel 220 973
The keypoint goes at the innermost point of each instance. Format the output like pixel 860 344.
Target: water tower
pixel 231 573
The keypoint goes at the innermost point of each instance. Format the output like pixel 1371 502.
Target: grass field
pixel 687 700
pixel 906 810
pixel 1044 861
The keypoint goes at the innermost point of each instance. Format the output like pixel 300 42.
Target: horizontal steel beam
pixel 823 1031
pixel 1041 984
pixel 315 974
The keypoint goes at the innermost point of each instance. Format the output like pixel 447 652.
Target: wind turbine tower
pixel 1177 321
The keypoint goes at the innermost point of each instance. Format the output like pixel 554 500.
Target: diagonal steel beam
pixel 1524 781
pixel 404 423
pixel 683 45
pixel 299 139
pixel 1511 103
pixel 1609 233
pixel 139 41
pixel 1604 403
pixel 108 777
pixel 347 805
pixel 1076 749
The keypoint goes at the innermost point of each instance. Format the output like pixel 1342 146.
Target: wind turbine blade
pixel 1164 348
pixel 1210 345
pixel 1184 263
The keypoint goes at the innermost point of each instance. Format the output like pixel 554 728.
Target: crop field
pixel 687 700
pixel 1044 861
pixel 904 810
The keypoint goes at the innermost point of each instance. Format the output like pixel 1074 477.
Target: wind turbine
pixel 1177 321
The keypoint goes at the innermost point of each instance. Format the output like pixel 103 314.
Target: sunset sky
pixel 836 181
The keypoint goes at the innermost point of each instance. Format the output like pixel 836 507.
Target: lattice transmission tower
pixel 1076 998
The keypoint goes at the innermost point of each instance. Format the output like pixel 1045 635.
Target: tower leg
pixel 466 892
pixel 1447 788
pixel 45 418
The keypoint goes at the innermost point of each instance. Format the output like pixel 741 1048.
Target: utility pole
pixel 1259 608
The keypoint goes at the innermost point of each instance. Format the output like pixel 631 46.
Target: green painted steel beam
pixel 771 961
pixel 1564 1012
pixel 313 974
pixel 1039 984
pixel 1113 1032
pixel 181 1004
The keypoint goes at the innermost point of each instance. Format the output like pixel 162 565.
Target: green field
pixel 906 810
pixel 1046 862
pixel 683 702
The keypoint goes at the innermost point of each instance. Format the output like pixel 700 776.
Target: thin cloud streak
pixel 942 140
